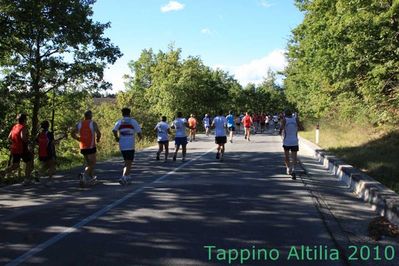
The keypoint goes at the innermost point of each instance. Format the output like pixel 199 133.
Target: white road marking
pixel 72 229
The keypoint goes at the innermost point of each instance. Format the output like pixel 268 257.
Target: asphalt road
pixel 198 212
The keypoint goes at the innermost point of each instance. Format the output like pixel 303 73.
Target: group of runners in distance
pixel 87 133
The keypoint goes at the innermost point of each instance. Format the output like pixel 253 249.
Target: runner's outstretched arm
pixel 74 133
pixel 97 130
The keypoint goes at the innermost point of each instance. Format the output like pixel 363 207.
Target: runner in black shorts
pixel 220 124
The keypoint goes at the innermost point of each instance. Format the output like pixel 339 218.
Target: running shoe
pixel 157 157
pixel 293 176
pixel 174 158
pixel 217 156
pixel 122 181
pixel 92 179
pixel 289 171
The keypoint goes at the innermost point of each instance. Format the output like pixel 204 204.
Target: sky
pixel 244 37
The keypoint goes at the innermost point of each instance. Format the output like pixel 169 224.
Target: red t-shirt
pixel 247 121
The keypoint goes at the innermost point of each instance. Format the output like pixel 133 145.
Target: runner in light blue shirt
pixel 230 125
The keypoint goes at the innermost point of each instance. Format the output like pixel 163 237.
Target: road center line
pixel 55 239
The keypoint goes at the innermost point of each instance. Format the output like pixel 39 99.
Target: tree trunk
pixel 36 76
pixel 35 112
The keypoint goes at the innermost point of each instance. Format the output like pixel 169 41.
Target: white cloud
pixel 206 31
pixel 114 74
pixel 172 6
pixel 265 3
pixel 256 70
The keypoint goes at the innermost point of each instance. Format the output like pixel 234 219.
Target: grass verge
pixel 375 151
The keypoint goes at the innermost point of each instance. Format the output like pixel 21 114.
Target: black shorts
pixel 232 128
pixel 26 157
pixel 220 140
pixel 180 141
pixel 291 148
pixel 238 124
pixel 128 155
pixel 163 142
pixel 88 151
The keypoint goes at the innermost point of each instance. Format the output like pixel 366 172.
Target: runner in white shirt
pixel 289 128
pixel 207 123
pixel 127 127
pixel 180 125
pixel 220 124
pixel 162 129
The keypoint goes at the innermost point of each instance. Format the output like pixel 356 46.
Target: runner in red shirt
pixel 19 138
pixel 192 123
pixel 247 122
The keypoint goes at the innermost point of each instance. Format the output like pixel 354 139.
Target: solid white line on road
pixel 94 216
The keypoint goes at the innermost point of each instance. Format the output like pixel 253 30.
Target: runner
pixel 127 128
pixel 180 124
pixel 276 121
pixel 262 122
pixel 45 141
pixel 19 138
pixel 220 122
pixel 238 124
pixel 230 125
pixel 192 123
pixel 247 122
pixel 207 123
pixel 241 118
pixel 267 121
pixel 89 134
pixel 289 128
pixel 162 129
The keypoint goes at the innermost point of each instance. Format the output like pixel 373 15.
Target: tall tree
pixel 48 44
pixel 343 60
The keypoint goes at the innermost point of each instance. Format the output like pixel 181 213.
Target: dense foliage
pixel 164 83
pixel 49 46
pixel 344 60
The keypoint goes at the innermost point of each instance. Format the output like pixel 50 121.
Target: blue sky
pixel 244 37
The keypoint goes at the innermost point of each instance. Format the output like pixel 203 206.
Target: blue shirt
pixel 230 120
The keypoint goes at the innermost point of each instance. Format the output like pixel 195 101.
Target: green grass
pixel 375 151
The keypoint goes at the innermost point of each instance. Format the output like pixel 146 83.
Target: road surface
pixel 242 211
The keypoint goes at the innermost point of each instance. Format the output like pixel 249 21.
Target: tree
pixel 50 45
pixel 343 60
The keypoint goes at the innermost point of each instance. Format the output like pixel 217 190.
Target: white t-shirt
pixel 220 125
pixel 206 121
pixel 180 127
pixel 162 131
pixel 290 132
pixel 127 128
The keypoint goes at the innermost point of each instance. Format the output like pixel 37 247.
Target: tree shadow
pixel 245 201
